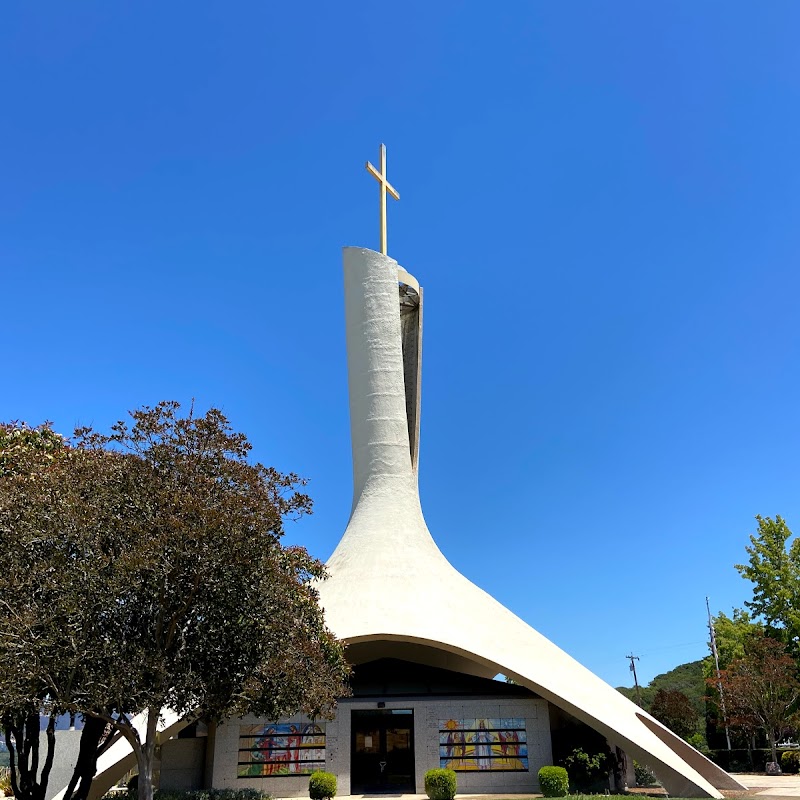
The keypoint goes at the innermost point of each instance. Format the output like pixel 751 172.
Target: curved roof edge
pixel 683 770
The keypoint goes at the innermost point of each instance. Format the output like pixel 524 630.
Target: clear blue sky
pixel 600 199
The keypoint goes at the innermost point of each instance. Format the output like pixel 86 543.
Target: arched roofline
pixel 707 769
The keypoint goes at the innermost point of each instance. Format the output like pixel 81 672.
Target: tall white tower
pixel 391 592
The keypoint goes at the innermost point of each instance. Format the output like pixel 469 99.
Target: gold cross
pixel 385 186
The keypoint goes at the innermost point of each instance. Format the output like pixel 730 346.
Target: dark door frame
pixel 384 719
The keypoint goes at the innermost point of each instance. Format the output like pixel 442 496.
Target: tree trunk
pixel 772 747
pixel 50 733
pixel 147 755
pixel 11 744
pixel 92 745
pixel 22 740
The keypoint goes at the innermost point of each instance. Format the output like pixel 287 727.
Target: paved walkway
pixel 770 786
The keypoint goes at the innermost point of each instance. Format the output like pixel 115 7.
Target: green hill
pixel 686 678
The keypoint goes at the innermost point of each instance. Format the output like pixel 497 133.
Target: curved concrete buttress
pixel 116 762
pixel 389 582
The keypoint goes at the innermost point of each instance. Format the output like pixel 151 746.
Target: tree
pixel 774 570
pixel 685 678
pixel 674 709
pixel 29 628
pixel 761 688
pixel 731 635
pixel 167 585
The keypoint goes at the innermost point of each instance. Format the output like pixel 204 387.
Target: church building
pixel 423 693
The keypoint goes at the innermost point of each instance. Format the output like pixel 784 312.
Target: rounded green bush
pixel 322 785
pixel 440 784
pixel 790 761
pixel 553 781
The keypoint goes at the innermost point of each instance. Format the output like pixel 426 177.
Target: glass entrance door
pixel 382 751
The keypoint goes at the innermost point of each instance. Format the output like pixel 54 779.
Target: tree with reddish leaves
pixel 674 709
pixel 143 571
pixel 762 689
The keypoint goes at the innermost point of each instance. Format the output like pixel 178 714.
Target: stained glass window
pixel 281 749
pixel 483 744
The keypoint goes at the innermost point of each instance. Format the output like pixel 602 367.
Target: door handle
pixel 382 765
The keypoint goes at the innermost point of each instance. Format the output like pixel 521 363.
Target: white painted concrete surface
pixel 389 584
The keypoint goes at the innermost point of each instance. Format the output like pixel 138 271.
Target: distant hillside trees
pixel 685 678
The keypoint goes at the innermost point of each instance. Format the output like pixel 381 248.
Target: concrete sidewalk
pixel 771 785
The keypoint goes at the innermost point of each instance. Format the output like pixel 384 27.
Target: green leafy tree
pixel 774 570
pixel 675 710
pixel 761 688
pixel 732 634
pixel 153 578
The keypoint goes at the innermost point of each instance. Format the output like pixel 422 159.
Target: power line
pixel 672 647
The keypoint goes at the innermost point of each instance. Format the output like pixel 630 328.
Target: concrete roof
pixel 392 593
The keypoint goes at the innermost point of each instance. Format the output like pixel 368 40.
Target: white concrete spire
pixel 391 592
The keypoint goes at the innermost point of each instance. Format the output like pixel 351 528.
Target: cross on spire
pixel 385 187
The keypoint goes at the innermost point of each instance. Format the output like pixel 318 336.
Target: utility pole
pixel 719 679
pixel 635 679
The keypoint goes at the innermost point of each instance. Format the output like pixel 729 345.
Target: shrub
pixel 203 794
pixel 644 775
pixel 790 761
pixel 322 785
pixel 5 781
pixel 698 741
pixel 440 784
pixel 192 794
pixel 553 781
pixel 588 773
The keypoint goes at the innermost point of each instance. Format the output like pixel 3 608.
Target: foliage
pixel 553 781
pixel 588 772
pixel 731 634
pixel 441 784
pixel 23 449
pixel 698 741
pixel 774 570
pixel 740 759
pixel 5 781
pixel 673 709
pixel 644 775
pixel 790 761
pixel 31 627
pixel 322 785
pixel 194 794
pixel 584 753
pixel 761 688
pixel 143 570
pixel 686 678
